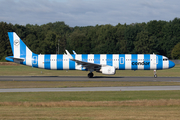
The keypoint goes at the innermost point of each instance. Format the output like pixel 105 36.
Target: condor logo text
pixel 140 63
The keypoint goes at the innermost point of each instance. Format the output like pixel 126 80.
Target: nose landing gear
pixel 90 75
pixel 155 75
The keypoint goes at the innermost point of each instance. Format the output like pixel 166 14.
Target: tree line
pixel 159 37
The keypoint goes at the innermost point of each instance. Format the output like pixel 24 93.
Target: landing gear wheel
pixel 155 76
pixel 90 75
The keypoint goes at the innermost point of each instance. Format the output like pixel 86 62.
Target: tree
pixel 49 44
pixel 5 48
pixel 146 44
pixel 79 42
pixel 175 54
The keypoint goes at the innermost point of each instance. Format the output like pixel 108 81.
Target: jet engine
pixel 108 70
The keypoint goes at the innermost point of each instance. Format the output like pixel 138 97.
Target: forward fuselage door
pixel 154 61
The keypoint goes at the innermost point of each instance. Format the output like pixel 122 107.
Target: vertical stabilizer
pixel 18 47
pixel 21 53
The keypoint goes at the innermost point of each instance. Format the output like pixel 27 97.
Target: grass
pixel 90 113
pixel 143 105
pixel 119 105
pixel 88 96
pixel 20 70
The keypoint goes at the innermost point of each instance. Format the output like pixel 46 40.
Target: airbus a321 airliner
pixel 103 63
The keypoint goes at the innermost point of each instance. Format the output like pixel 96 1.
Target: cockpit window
pixel 165 59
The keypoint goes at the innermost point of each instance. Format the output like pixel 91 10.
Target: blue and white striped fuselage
pixel 119 61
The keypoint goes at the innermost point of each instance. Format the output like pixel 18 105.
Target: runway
pixel 84 78
pixel 134 88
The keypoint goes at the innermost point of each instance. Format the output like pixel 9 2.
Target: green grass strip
pixel 88 96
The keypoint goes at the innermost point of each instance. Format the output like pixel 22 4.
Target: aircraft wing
pixel 87 65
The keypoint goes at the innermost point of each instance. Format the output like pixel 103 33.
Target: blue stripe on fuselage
pixel 121 62
pixel 23 51
pixel 97 58
pixel 10 34
pixel 84 57
pixel 134 62
pixel 72 64
pixel 160 62
pixel 59 62
pixel 109 59
pixel 147 59
pixel 47 61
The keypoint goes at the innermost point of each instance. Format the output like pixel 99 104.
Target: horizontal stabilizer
pixel 13 59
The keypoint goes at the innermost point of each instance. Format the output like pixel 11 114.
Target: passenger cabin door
pixel 154 61
pixel 121 60
pixel 34 61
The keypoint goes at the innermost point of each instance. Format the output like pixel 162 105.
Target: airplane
pixel 104 63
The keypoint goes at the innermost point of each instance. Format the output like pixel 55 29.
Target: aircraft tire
pixel 90 75
pixel 155 76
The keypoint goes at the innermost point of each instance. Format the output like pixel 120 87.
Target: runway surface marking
pixel 134 88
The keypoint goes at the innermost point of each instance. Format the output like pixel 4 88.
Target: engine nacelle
pixel 108 70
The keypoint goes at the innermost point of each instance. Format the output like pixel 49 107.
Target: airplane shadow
pixel 44 76
pixel 106 77
pixel 79 77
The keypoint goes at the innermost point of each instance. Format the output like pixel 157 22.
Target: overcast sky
pixel 87 12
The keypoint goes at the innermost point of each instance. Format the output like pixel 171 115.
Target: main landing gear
pixel 155 75
pixel 90 75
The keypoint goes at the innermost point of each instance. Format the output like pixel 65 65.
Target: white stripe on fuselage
pixel 128 61
pixel 41 61
pixel 28 57
pixel 153 62
pixel 140 59
pixel 53 62
pixel 65 62
pixel 90 58
pixel 116 61
pixel 16 42
pixel 78 57
pixel 103 59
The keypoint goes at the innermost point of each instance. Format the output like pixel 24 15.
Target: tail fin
pixel 19 49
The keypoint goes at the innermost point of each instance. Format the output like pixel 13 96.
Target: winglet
pixel 69 55
pixel 74 52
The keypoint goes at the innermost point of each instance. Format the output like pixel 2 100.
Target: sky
pixel 87 12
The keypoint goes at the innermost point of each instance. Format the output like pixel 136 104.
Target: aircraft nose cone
pixel 171 64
